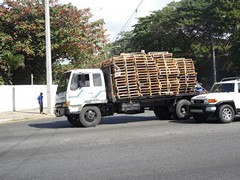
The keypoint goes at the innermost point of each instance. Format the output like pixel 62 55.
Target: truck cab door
pixel 80 89
pixel 87 88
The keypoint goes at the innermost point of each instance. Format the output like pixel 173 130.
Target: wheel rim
pixel 227 114
pixel 183 110
pixel 90 115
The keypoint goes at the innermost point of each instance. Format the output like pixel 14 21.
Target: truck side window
pixel 97 81
pixel 84 80
pixel 239 87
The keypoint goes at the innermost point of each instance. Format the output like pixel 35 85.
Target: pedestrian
pixel 40 102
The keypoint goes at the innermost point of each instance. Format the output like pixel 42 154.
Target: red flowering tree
pixel 73 36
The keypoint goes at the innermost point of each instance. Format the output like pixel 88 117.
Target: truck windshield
pixel 63 83
pixel 225 87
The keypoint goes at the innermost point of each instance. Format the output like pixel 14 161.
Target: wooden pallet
pixel 156 73
pixel 187 76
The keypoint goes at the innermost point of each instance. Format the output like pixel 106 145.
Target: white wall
pixel 20 97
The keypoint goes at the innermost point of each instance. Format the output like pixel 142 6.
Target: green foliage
pixel 192 29
pixel 1 81
pixel 73 36
pixel 10 62
pixel 121 45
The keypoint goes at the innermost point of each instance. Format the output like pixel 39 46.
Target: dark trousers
pixel 41 108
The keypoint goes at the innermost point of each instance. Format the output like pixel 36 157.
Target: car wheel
pixel 226 113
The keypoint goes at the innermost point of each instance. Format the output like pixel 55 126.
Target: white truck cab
pixel 86 87
pixel 223 101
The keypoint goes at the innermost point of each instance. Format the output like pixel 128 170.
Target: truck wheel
pixel 182 110
pixel 226 113
pixel 162 112
pixel 200 118
pixel 90 116
pixel 74 120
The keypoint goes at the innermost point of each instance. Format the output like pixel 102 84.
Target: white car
pixel 223 101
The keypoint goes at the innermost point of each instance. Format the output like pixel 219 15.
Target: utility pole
pixel 48 59
pixel 214 62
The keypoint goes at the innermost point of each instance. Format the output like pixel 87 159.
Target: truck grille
pixel 198 101
pixel 59 104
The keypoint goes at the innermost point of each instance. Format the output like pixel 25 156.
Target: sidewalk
pixel 23 115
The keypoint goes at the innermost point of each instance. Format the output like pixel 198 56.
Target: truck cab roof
pixel 85 71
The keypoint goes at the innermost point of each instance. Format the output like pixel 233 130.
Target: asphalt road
pixel 121 147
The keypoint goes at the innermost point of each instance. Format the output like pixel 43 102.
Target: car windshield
pixel 224 87
pixel 63 82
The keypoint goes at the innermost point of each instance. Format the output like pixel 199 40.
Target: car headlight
pixel 212 100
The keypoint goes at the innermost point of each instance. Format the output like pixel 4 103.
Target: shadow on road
pixel 63 123
pixel 210 120
pixel 126 119
pixel 110 120
pixel 51 125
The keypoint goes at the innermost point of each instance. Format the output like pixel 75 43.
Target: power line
pixel 128 21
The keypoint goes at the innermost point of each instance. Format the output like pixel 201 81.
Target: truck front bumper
pixel 60 111
pixel 206 109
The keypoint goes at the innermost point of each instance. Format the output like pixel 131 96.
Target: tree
pixel 208 25
pixel 9 63
pixel 123 44
pixel 73 35
pixel 193 29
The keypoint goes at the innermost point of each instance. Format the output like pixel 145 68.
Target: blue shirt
pixel 40 99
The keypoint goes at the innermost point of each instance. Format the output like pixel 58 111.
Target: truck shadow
pixel 192 121
pixel 51 125
pixel 126 119
pixel 210 120
pixel 63 122
pixel 111 120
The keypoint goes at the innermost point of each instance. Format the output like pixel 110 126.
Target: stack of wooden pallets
pixel 187 76
pixel 168 72
pixel 153 74
pixel 147 75
pixel 124 77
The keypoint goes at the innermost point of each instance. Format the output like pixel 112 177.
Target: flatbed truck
pixel 130 84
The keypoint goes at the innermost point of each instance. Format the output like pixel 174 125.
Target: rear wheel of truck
pixel 200 118
pixel 74 120
pixel 162 112
pixel 182 109
pixel 226 113
pixel 90 116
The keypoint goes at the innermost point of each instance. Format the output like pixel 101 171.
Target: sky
pixel 116 13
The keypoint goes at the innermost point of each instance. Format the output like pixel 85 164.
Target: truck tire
pixel 74 120
pixel 225 113
pixel 162 112
pixel 182 109
pixel 200 118
pixel 90 116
